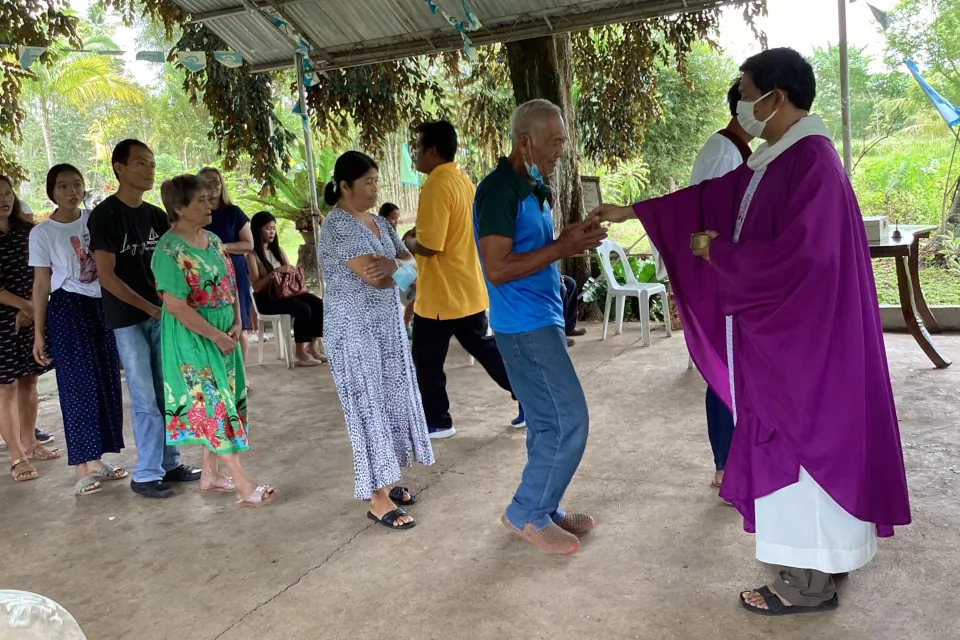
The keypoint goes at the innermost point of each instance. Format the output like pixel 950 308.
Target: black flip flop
pixel 396 495
pixel 389 518
pixel 777 608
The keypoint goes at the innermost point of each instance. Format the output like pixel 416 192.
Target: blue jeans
pixel 139 349
pixel 719 428
pixel 546 384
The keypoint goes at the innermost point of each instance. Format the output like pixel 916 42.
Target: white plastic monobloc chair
pixel 641 290
pixel 282 325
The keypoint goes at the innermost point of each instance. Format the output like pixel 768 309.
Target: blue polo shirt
pixel 507 204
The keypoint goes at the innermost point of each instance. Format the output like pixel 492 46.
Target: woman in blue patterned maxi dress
pixel 366 341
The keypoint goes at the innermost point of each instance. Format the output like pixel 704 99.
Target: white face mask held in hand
pixel 749 121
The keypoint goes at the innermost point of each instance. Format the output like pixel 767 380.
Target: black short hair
pixel 121 152
pixel 783 69
pixel 350 167
pixel 733 97
pixel 54 173
pixel 440 135
pixel 387 208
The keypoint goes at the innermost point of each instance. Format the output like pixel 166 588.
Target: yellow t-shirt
pixel 450 283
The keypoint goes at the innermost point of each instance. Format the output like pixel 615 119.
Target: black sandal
pixel 777 608
pixel 396 495
pixel 389 518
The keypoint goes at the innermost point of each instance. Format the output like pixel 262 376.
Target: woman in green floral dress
pixel 204 386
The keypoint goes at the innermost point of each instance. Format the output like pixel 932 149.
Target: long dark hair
pixel 16 219
pixel 387 208
pixel 257 223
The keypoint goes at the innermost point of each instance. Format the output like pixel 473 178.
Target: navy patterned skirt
pixel 88 376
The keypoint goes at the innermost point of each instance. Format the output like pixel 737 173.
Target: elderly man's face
pixel 547 144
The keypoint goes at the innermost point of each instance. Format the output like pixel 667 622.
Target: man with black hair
pixel 451 295
pixel 124 231
pixel 722 153
pixel 772 272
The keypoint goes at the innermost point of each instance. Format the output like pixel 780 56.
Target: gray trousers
pixel 804 587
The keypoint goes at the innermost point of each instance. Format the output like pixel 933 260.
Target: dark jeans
pixel 719 428
pixel 570 306
pixel 804 587
pixel 305 309
pixel 431 340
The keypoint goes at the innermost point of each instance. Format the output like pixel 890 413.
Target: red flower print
pixel 174 427
pixel 199 297
pixel 196 415
pixel 220 410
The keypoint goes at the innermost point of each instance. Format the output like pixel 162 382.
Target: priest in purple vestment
pixel 780 315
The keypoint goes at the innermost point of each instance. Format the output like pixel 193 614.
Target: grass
pixel 940 287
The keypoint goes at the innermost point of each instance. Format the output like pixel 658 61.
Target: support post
pixel 845 88
pixel 308 146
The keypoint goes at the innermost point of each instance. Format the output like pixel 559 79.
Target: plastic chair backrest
pixel 606 248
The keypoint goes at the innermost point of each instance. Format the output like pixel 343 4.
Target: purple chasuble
pixel 810 369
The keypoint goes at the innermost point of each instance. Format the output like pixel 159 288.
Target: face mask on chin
pixel 533 171
pixel 749 121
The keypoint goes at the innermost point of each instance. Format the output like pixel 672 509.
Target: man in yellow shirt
pixel 451 294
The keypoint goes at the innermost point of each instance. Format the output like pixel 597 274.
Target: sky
pixel 806 25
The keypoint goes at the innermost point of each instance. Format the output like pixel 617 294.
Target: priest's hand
pixel 612 213
pixel 705 251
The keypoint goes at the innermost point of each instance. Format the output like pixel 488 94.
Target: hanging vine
pixel 616 69
pixel 34 23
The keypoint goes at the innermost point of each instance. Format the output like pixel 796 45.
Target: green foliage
pixel 290 199
pixel 38 23
pixel 903 179
pixel 240 104
pixel 928 32
pixel 695 107
pixel 378 99
pixel 619 68
pixel 645 271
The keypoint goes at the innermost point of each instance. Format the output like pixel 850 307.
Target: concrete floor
pixel 665 561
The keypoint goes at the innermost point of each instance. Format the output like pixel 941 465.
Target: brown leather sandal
pixel 40 452
pixel 30 473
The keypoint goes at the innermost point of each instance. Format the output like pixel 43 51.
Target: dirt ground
pixel 665 561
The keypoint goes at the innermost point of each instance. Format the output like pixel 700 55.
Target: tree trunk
pixel 542 68
pixel 47 135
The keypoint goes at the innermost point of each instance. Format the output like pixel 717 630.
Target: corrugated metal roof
pixel 344 34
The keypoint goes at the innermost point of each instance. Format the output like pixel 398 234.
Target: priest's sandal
pixel 390 518
pixel 777 608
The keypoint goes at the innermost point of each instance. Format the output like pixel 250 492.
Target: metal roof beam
pixel 442 40
pixel 210 16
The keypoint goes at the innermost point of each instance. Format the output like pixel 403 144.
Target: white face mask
pixel 749 121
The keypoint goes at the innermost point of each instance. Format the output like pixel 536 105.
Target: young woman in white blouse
pixel 69 330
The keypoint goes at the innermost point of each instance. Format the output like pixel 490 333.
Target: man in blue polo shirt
pixel 514 227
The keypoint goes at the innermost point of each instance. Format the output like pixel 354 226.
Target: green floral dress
pixel 205 391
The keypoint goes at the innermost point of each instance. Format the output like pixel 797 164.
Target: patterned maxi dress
pixel 366 343
pixel 205 391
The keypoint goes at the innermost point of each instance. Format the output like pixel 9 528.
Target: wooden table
pixel 916 313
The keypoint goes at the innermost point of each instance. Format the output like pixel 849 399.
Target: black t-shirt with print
pixel 131 234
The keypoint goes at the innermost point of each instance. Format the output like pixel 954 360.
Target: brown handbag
pixel 287 285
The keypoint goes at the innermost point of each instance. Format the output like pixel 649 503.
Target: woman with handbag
pixel 278 289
